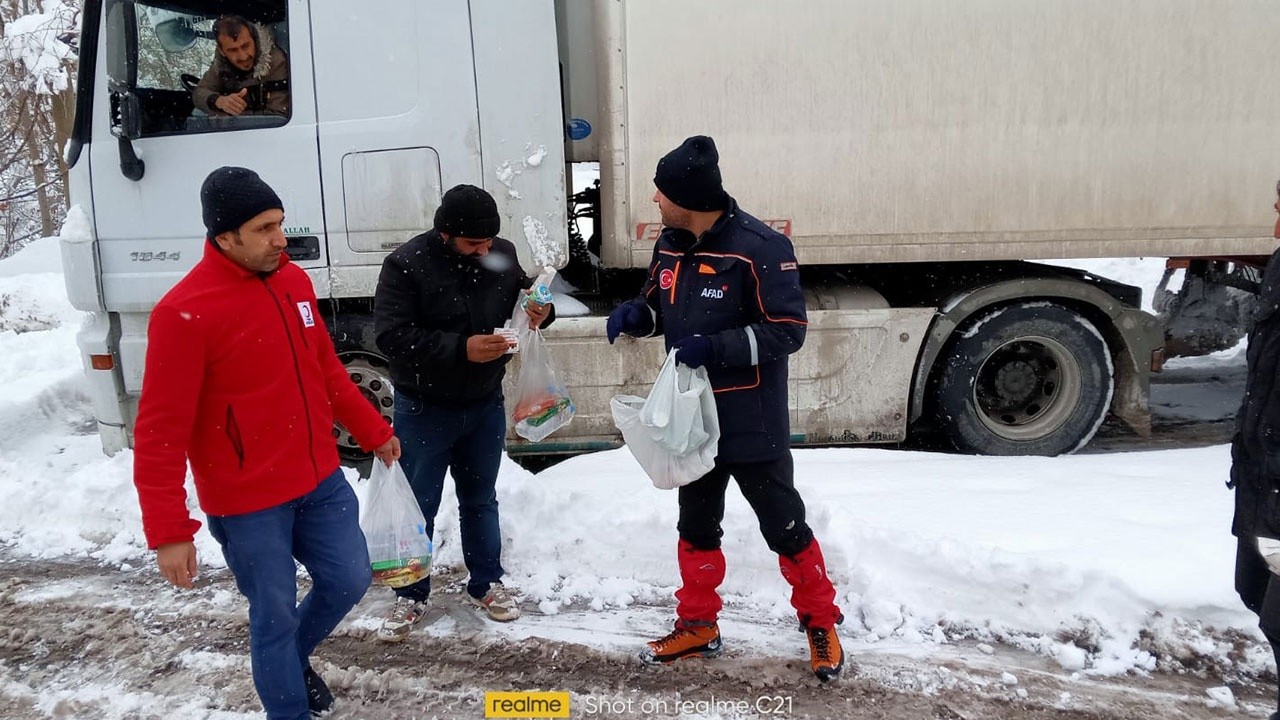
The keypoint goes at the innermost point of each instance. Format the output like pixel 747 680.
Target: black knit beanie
pixel 232 196
pixel 690 175
pixel 468 211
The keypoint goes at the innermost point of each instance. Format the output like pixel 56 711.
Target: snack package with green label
pixel 543 404
pixel 394 529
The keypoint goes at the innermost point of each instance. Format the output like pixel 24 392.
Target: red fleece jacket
pixel 241 380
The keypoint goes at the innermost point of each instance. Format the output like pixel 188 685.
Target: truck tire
pixel 1028 379
pixel 370 373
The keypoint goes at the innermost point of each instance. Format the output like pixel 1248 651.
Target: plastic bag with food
pixel 394 529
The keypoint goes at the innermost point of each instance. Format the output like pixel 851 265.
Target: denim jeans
pixel 321 530
pixel 467 441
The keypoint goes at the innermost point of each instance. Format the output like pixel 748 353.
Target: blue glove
pixel 694 351
pixel 632 317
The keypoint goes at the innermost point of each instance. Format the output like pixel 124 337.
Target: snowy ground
pixel 1096 585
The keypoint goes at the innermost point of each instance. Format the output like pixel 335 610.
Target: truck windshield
pixel 196 69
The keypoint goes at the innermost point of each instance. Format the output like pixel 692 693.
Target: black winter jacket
pixel 739 285
pixel 1255 449
pixel 429 300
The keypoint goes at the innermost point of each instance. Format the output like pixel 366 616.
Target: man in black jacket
pixel 440 297
pixel 724 290
pixel 1255 462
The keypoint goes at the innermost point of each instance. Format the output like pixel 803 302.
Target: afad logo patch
pixel 666 279
pixel 717 293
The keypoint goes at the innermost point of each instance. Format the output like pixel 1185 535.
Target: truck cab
pixel 374 133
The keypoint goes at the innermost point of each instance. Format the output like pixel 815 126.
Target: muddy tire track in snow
pixel 78 640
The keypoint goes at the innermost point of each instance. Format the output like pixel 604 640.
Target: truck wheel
pixel 1030 379
pixel 370 374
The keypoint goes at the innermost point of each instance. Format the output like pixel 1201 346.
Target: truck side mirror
pixel 127 121
pixel 126 125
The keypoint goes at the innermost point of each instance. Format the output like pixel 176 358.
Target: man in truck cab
pixel 249 74
pixel 724 291
pixel 242 382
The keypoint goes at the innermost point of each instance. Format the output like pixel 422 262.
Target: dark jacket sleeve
pixel 209 88
pixel 649 293
pixel 781 324
pixel 398 321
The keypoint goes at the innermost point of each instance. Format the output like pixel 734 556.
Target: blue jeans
pixel 467 441
pixel 322 531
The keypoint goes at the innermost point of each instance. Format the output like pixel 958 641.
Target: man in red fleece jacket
pixel 242 381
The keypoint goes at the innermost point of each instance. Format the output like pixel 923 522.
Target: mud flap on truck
pixel 98 337
pixel 1132 399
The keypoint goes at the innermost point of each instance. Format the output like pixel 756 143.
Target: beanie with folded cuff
pixel 690 176
pixel 231 197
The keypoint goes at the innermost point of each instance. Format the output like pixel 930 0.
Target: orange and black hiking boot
pixel 826 657
pixel 687 640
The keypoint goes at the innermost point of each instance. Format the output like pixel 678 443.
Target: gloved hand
pixel 694 351
pixel 632 317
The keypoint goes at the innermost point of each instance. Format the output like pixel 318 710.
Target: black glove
pixel 633 318
pixel 694 351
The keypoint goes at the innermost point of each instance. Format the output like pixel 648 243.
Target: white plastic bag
pixel 674 433
pixel 394 529
pixel 673 410
pixel 543 404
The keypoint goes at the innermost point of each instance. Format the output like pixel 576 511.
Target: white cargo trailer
pixel 917 153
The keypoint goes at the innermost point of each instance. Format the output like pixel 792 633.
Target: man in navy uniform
pixel 724 291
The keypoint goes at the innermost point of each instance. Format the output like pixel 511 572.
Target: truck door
pixel 398 123
pixel 147 210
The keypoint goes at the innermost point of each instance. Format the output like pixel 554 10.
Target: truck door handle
pixel 303 247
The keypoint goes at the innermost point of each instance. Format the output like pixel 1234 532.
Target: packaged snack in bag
pixel 539 409
pixel 394 529
pixel 543 404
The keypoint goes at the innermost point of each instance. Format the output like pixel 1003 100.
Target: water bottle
pixel 541 290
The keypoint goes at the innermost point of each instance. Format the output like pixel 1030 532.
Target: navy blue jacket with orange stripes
pixel 738 285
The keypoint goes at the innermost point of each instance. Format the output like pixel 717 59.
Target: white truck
pixel 917 153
